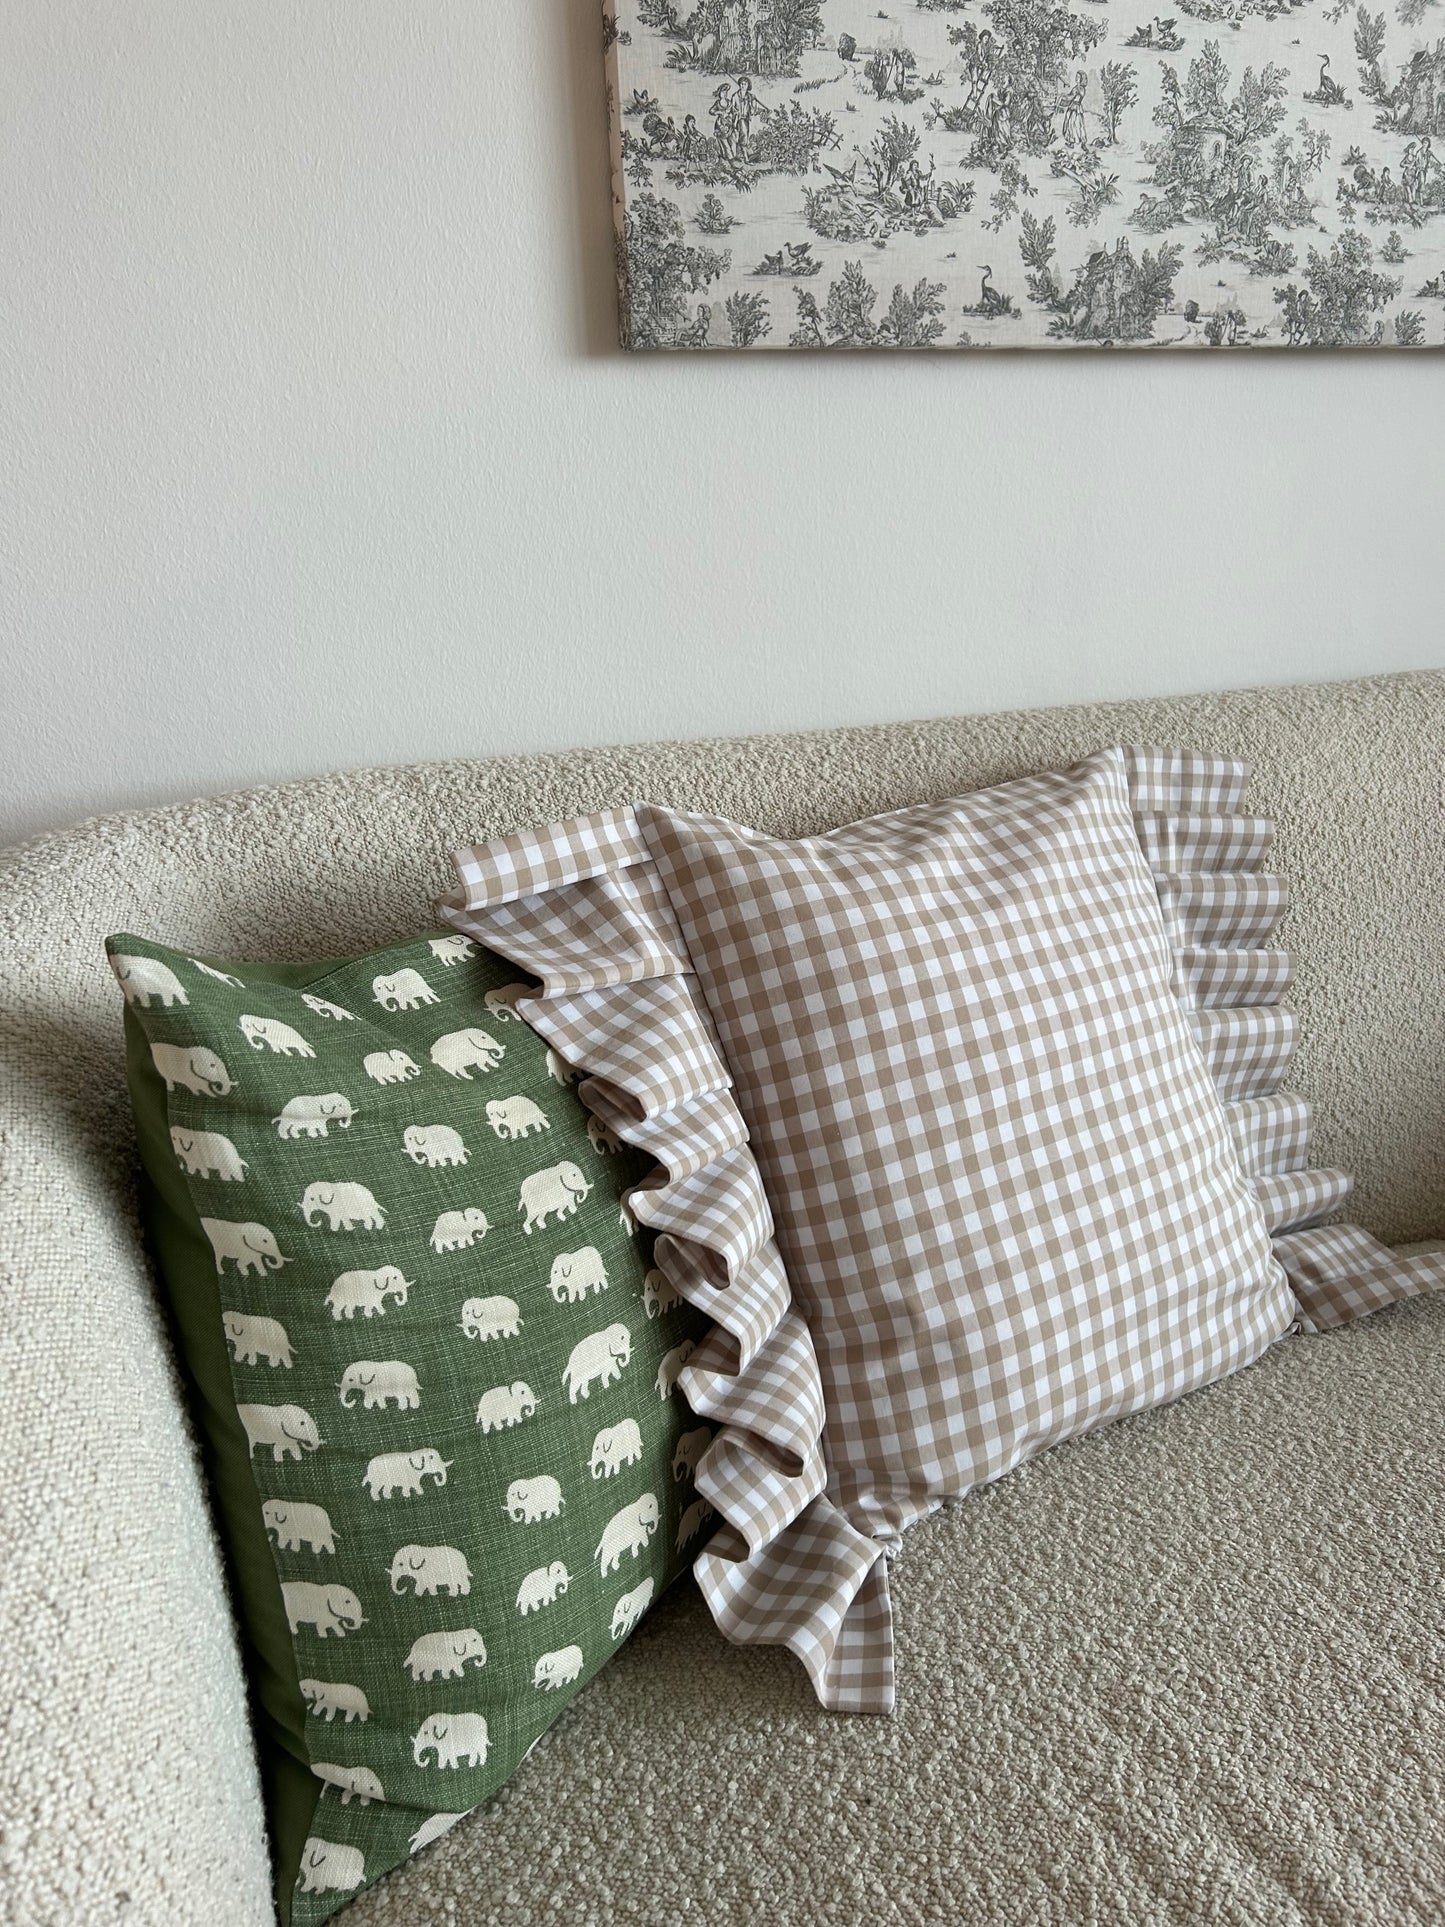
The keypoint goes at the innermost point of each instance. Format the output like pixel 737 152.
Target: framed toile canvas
pixel 1028 173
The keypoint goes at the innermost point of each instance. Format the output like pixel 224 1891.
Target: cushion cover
pixel 434 1370
pixel 1004 1183
pixel 1010 1065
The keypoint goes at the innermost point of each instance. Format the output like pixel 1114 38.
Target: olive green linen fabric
pixel 446 1448
pixel 1286 1727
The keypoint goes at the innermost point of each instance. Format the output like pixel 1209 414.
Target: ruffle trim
pixel 1221 905
pixel 1340 1273
pixel 579 907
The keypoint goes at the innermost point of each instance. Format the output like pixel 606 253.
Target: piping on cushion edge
pixel 577 906
pixel 1220 907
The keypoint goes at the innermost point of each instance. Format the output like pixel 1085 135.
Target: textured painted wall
pixel 317 450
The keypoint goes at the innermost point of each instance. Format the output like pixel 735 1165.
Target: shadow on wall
pixel 576 27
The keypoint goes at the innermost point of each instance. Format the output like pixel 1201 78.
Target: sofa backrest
pixel 122 1692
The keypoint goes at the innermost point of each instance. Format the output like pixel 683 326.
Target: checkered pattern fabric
pixel 580 908
pixel 530 862
pixel 1340 1273
pixel 1247 1051
pixel 1006 1192
pixel 1271 1134
pixel 1176 844
pixel 1290 1199
pixel 1005 1093
pixel 1214 978
pixel 1208 871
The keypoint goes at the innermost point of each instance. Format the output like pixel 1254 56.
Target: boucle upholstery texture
pixel 1185 1669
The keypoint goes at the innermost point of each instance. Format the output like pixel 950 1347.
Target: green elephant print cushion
pixel 433 1367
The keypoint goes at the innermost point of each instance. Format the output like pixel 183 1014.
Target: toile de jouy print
pixel 1028 173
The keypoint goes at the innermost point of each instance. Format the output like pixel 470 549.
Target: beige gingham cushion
pixel 1005 1189
pixel 1011 1068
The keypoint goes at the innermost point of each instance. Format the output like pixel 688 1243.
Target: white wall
pixel 316 450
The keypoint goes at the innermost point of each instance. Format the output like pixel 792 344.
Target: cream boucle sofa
pixel 1188 1669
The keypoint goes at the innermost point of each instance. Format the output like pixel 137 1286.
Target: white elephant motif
pixel 506 1405
pixel 630 1608
pixel 659 1295
pixel 558 1669
pixel 326 1698
pixel 433 1145
pixel 345 1206
pixel 604 1141
pixel 692 1522
pixel 542 1587
pixel 433 1828
pixel 690 1448
pixel 449 951
pixel 296 1526
pixel 250 1247
pixel 191 1067
pixel 351 1782
pixel 512 1117
pixel 381 1382
pixel 461 1052
pixel 430 1570
pixel 202 1154
pixel 390 1067
pixel 325 1008
pixel 333 1611
pixel 405 990
pixel 487 1318
pixel 328 1868
pixel 457 1739
pixel 221 976
pixel 289 1430
pixel 390 1473
pixel 253 1338
pixel 311 1116
pixel 577 1273
pixel 600 1357
pixel 560 1071
pixel 671 1366
pixel 269 1033
pixel 615 1446
pixel 529 1500
pixel 629 1530
pixel 141 978
pixel 625 1220
pixel 459 1230
pixel 502 1003
pixel 446 1655
pixel 553 1193
pixel 367 1292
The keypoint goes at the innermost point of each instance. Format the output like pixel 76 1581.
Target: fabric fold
pixel 579 908
pixel 1230 909
pixel 842 1598
pixel 1339 1272
pixel 1217 978
pixel 1293 1199
pixel 1247 1050
pixel 1220 907
pixel 1271 1134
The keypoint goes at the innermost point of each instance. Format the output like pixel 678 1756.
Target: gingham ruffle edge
pixel 1221 906
pixel 578 906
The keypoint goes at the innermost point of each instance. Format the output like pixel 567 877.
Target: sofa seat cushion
pixel 1185 1668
